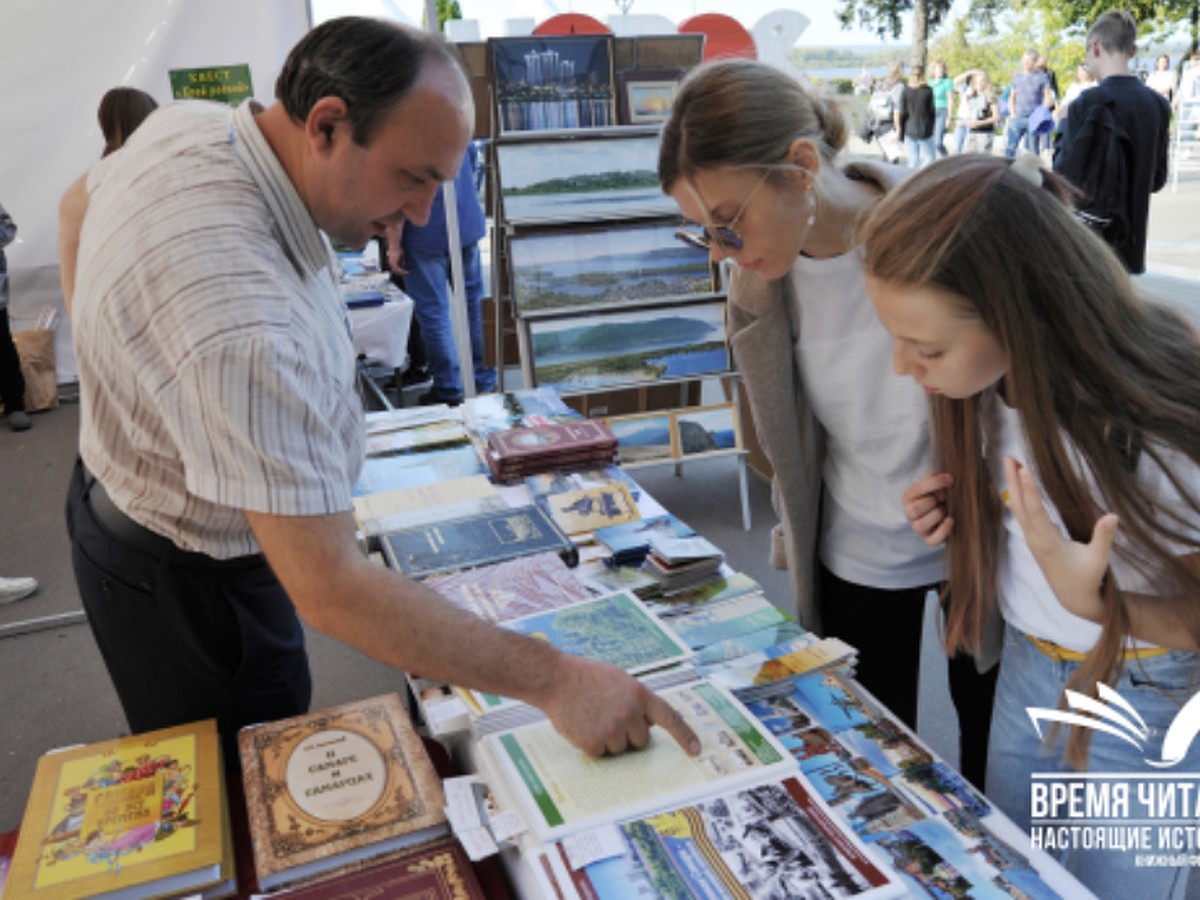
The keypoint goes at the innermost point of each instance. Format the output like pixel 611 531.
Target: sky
pixel 823 30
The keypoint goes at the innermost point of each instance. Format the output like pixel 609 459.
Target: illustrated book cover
pixel 143 815
pixel 582 511
pixel 337 786
pixel 775 839
pixel 560 790
pixel 476 540
pixel 513 588
pixel 629 542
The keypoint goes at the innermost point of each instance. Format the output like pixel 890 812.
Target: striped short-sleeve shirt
pixel 216 369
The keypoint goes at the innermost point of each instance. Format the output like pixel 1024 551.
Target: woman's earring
pixel 812 206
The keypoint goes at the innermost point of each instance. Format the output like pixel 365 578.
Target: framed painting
pixel 553 82
pixel 649 101
pixel 707 429
pixel 644 437
pixel 581 180
pixel 601 268
pixel 628 347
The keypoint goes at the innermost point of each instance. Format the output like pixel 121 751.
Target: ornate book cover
pixel 477 540
pixel 337 786
pixel 552 440
pixel 142 815
pixel 436 871
pixel 516 587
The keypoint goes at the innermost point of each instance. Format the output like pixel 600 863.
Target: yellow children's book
pixel 137 816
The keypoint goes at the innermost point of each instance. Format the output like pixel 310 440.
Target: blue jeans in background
pixel 920 151
pixel 428 283
pixel 939 130
pixel 1156 688
pixel 1017 128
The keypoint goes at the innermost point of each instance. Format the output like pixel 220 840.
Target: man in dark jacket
pixel 12 382
pixel 1139 112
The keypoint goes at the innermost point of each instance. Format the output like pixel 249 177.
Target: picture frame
pixel 707 429
pixel 649 101
pixel 581 180
pixel 621 348
pixel 579 269
pixel 644 437
pixel 553 82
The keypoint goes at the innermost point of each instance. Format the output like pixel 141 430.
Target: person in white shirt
pixel 221 429
pixel 751 156
pixel 1067 490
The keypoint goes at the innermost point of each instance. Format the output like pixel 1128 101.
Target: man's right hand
pixel 602 710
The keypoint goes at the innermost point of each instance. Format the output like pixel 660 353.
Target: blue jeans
pixel 920 151
pixel 1156 688
pixel 960 138
pixel 428 283
pixel 1017 128
pixel 939 130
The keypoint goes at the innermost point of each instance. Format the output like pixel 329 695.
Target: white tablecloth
pixel 381 332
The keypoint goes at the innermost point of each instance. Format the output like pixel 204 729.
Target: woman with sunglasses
pixel 749 154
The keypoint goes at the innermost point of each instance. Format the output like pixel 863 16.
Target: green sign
pixel 227 84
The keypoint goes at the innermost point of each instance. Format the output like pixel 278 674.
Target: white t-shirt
pixel 876 424
pixel 1026 599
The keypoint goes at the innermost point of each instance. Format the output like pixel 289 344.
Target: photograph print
pixel 553 82
pixel 707 429
pixel 643 438
pixel 581 180
pixel 605 267
pixel 606 350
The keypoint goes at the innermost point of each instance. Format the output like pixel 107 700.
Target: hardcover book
pixel 583 511
pixel 143 815
pixel 477 540
pixel 334 787
pixel 436 871
pixel 775 839
pixel 522 451
pixel 560 790
pixel 514 588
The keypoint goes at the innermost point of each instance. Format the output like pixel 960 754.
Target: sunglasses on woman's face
pixel 724 236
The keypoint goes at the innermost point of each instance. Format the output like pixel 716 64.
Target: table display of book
pixel 337 787
pixel 137 816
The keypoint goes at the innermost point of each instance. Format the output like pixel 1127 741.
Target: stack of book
pixel 628 544
pixel 517 452
pixel 677 563
pixel 138 816
pixel 330 792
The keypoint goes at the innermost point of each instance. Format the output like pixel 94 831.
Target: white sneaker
pixel 14 589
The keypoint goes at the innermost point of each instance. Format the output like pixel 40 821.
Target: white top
pixel 215 364
pixel 876 423
pixel 1026 599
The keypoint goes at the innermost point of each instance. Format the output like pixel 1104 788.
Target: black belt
pixel 138 536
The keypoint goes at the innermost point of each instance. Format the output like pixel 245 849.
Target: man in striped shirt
pixel 221 430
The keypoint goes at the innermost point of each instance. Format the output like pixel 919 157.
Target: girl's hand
pixel 925 508
pixel 1075 571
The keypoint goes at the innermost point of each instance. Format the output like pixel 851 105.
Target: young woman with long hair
pixel 1066 428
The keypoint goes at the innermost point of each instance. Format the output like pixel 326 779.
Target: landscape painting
pixel 707 429
pixel 605 268
pixel 642 438
pixel 553 82
pixel 622 348
pixel 582 180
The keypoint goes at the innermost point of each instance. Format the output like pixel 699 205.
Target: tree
pixel 886 18
pixel 624 6
pixel 446 9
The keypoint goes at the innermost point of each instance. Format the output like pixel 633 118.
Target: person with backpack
pixel 1115 141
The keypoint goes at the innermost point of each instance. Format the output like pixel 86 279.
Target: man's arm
pixel 597 707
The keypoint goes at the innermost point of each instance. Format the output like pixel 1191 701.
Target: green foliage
pixel 446 9
pixel 886 17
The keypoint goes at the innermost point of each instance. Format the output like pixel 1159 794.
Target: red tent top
pixel 571 23
pixel 724 36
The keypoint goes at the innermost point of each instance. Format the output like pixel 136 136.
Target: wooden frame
pixel 644 437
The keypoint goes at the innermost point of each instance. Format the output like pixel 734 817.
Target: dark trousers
pixel 186 637
pixel 12 382
pixel 885 627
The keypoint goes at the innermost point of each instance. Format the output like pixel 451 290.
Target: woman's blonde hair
pixel 1102 380
pixel 743 113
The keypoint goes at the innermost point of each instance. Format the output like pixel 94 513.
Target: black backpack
pixel 1097 160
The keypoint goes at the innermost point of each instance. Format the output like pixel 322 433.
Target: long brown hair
pixel 121 111
pixel 1101 380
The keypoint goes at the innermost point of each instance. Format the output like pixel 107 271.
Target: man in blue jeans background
pixel 422 255
pixel 1025 95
